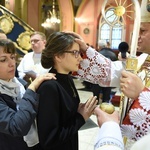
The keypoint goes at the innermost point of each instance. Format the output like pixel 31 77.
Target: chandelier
pixel 52 17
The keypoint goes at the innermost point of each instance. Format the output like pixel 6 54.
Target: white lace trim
pixel 96 68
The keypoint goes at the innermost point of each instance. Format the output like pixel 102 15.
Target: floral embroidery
pixel 139 118
pixel 128 131
pixel 144 100
pixel 90 54
pixel 85 64
pixel 95 68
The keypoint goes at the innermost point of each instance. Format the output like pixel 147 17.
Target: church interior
pixel 94 20
pixel 109 20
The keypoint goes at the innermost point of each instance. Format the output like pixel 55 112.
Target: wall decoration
pixel 86 31
pixel 24 40
pixel 6 24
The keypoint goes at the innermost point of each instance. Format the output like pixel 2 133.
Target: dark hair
pixel 57 43
pixel 8 46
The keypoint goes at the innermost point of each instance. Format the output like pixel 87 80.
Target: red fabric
pixel 134 105
pixel 115 100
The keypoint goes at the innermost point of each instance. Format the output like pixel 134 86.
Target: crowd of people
pixel 48 113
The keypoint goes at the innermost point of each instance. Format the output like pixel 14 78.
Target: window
pixel 112 29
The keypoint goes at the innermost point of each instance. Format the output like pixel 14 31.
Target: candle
pixel 136 28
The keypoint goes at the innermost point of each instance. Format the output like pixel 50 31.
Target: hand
pixel 36 83
pixel 33 76
pixel 27 78
pixel 131 85
pixel 103 117
pixel 79 40
pixel 87 109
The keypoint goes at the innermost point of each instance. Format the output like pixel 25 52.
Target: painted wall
pixel 87 23
pixel 66 15
pixel 88 17
pixel 87 20
pixel 33 13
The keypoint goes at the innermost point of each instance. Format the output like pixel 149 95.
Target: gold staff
pixel 131 64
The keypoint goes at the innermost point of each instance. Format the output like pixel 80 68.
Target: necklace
pixel 73 90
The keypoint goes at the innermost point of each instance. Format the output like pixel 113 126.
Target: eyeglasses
pixel 75 52
pixel 35 41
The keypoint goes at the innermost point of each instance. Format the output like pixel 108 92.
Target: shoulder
pixel 49 84
pixel 30 54
pixel 106 50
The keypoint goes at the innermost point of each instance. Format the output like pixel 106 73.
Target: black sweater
pixel 58 120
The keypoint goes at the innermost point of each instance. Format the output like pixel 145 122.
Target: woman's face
pixel 7 65
pixel 69 61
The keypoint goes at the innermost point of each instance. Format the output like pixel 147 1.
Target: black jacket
pixel 107 52
pixel 58 120
pixel 15 124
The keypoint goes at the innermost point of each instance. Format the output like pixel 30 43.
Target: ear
pixel 44 42
pixel 58 58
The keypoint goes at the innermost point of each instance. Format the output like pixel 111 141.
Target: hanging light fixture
pixel 52 17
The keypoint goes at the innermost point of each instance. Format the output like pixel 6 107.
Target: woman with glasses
pixel 61 114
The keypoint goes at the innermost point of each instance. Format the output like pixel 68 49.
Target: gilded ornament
pixel 6 24
pixel 24 40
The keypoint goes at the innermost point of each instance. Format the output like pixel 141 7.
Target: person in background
pixel 100 70
pixel 103 93
pixel 108 139
pixel 106 51
pixel 18 108
pixel 30 65
pixel 61 114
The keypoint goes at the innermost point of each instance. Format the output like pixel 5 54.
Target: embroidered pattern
pixel 95 68
pixel 137 122
pixel 106 142
pixel 139 118
pixel 144 99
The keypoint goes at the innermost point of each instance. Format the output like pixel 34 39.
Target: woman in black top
pixel 16 113
pixel 61 114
